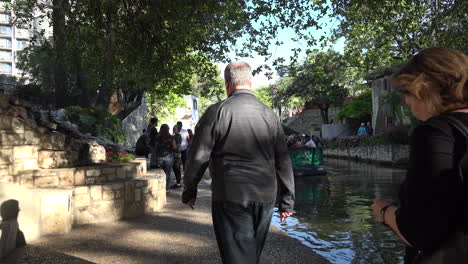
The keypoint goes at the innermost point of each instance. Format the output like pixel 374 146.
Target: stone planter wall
pixel 113 201
pixel 87 175
pixel 53 199
pixel 391 154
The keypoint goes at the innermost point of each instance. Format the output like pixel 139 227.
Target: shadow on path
pixel 177 234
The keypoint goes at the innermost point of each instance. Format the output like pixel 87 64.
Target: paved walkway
pixel 175 235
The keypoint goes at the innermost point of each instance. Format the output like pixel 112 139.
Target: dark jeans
pixel 184 156
pixel 241 228
pixel 165 163
pixel 176 168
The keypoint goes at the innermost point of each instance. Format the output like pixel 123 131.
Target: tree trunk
pixel 324 113
pixel 59 37
pixel 83 86
pixel 105 91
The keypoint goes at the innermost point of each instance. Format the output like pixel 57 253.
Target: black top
pixel 243 142
pixel 153 133
pixel 433 199
pixel 141 147
pixel 164 146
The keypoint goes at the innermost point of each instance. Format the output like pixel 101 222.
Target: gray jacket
pixel 243 143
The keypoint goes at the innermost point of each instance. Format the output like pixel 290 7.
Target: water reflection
pixel 333 213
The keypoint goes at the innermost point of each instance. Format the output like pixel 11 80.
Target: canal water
pixel 334 218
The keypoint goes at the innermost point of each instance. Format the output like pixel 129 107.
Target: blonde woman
pixel 432 212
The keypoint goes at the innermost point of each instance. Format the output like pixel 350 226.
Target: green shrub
pixel 119 157
pixel 359 108
pixel 97 122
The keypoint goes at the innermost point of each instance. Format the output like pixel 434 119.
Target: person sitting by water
pixel 142 148
pixel 309 142
pixel 362 130
pixel 297 142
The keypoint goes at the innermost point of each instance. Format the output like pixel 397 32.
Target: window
pixel 21 44
pixel 5 18
pixel 3 6
pixel 5 43
pixel 195 104
pixel 6 31
pixel 5 55
pixel 22 33
pixel 5 68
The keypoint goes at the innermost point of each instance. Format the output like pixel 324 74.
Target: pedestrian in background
pixel 153 134
pixel 165 148
pixel 142 145
pixel 362 130
pixel 185 142
pixel 369 129
pixel 177 157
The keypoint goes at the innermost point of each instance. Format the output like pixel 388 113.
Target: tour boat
pixel 307 161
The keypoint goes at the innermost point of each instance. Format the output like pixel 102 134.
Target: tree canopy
pixel 99 48
pixel 384 33
pixel 102 46
pixel 320 80
pixel 359 108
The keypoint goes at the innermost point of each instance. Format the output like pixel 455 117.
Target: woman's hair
pixel 164 131
pixel 437 76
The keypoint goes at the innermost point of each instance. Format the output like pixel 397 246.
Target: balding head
pixel 238 73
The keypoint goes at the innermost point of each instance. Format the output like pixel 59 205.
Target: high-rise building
pixel 12 40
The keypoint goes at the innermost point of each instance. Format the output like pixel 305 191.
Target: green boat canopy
pixel 306 157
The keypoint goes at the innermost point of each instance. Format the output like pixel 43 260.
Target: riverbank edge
pixel 385 155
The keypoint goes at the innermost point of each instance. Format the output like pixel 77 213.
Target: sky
pixel 286 36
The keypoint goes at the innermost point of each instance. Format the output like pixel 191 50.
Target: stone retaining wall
pixel 87 175
pixel 54 210
pixel 27 145
pixel 391 154
pixel 49 173
pixel 113 201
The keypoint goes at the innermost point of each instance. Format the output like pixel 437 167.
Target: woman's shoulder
pixel 438 126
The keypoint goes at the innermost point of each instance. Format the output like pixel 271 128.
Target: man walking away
pixel 243 143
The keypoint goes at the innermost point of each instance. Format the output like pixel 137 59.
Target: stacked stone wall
pixel 112 201
pixel 26 145
pixel 59 176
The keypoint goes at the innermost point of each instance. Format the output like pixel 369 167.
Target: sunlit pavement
pixel 177 234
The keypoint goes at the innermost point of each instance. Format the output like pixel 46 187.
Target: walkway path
pixel 175 235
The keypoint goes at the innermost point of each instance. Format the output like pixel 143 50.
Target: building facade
pixel 188 115
pixel 12 40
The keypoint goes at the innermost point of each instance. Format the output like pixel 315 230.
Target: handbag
pixel 455 249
